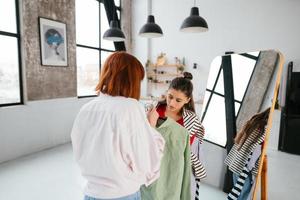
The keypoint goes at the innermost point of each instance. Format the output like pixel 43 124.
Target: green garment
pixel 175 170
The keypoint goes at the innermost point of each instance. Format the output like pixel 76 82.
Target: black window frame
pixel 213 92
pixel 16 35
pixel 111 9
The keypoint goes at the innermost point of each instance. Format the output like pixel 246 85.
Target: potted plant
pixel 181 68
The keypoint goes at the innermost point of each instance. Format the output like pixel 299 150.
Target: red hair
pixel 121 75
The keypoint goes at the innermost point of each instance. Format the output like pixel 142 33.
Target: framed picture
pixel 53 42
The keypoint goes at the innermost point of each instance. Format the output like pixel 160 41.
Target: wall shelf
pixel 160 75
pixel 165 65
pixel 158 83
pixel 165 74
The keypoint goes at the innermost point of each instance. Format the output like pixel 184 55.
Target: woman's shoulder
pixel 118 99
pixel 129 101
pixel 113 103
pixel 189 113
pixel 129 105
pixel 192 120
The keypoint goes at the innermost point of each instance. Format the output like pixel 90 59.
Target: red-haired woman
pixel 114 141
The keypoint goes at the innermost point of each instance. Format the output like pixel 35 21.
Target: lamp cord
pixel 149 2
pixel 114 7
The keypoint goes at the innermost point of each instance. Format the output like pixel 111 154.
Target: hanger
pixel 162 118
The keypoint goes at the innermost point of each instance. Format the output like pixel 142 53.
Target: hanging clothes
pixel 191 122
pixel 196 131
pixel 175 170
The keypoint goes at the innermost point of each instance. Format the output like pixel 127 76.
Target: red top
pixel 161 109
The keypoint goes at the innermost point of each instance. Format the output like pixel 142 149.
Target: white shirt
pixel 116 148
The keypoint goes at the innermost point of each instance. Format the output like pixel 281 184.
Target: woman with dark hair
pixel 179 105
pixel 243 158
pixel 116 154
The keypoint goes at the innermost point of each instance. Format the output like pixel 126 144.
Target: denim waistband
pixel 135 196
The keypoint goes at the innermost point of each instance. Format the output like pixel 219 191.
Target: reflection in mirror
pixel 243 66
pixel 239 86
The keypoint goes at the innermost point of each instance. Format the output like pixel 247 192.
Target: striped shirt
pixel 237 158
pixel 193 125
pixel 236 191
pixel 195 128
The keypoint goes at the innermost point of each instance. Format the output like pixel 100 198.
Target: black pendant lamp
pixel 114 33
pixel 151 29
pixel 194 23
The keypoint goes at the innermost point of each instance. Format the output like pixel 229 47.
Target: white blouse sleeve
pixel 143 148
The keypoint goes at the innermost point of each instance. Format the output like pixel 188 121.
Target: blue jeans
pixel 247 186
pixel 135 196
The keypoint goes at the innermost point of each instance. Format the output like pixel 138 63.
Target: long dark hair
pixel 257 121
pixel 185 85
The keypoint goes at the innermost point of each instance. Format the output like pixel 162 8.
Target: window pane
pixel 117 3
pixel 104 55
pixel 8 16
pixel 9 70
pixel 256 53
pixel 87 71
pixel 220 84
pixel 87 22
pixel 242 68
pixel 119 15
pixel 237 108
pixel 214 69
pixel 105 44
pixel 207 94
pixel 215 121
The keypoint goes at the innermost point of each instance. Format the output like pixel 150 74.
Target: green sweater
pixel 175 170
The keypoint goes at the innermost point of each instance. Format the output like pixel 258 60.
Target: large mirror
pixel 239 86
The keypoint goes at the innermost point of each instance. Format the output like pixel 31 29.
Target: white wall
pixel 38 125
pixel 239 26
pixel 214 157
pixel 140 45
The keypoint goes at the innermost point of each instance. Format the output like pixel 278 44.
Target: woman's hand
pixel 152 116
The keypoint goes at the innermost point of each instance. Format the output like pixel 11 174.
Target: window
pixel 92 50
pixel 10 61
pixel 214 101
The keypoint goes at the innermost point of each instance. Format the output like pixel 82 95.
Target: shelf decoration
pixel 161 73
pixel 161 59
